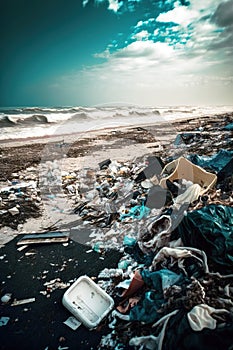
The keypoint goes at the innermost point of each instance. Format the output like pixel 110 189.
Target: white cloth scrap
pixel 200 317
pixel 189 196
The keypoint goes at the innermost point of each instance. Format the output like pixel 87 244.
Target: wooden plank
pixel 47 237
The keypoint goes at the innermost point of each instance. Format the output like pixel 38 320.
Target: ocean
pixel 19 122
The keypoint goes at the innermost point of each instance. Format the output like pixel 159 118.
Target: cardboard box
pixel 182 168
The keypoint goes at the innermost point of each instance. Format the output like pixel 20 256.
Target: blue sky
pixel 144 52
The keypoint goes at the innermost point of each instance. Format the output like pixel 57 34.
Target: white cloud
pixel 181 15
pixel 85 2
pixel 114 5
pixel 184 68
pixel 152 73
pixel 145 23
pixel 141 35
pixel 148 50
pixel 139 24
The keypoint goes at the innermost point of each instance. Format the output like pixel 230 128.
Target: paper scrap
pixel 73 323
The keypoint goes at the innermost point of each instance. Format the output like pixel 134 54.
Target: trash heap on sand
pixel 174 224
pixel 172 219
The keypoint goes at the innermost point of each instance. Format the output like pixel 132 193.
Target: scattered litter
pixel 72 322
pixel 19 202
pixel 137 207
pixel 23 301
pixel 182 168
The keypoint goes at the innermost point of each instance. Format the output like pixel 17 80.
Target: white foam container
pixel 87 301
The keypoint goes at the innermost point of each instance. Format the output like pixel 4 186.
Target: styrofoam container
pixel 87 301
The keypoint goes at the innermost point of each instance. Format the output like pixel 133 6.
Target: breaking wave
pixel 22 122
pixel 6 122
pixel 9 121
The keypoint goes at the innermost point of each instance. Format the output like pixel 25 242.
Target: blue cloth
pixel 157 281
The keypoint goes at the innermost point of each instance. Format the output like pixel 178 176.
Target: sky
pixel 107 52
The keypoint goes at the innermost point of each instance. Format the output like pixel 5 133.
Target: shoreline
pixel 55 138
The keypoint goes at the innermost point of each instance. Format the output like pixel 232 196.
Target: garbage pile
pixel 19 199
pixel 174 284
pixel 122 197
pixel 174 223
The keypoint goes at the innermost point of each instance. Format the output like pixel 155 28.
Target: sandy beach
pixel 80 150
pixel 86 150
pixel 21 160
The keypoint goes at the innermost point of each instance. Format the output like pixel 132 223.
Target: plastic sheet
pixel 215 162
pixel 210 229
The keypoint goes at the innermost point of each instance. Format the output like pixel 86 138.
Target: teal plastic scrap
pixel 136 212
pixel 129 241
pixel 4 320
pixel 228 127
